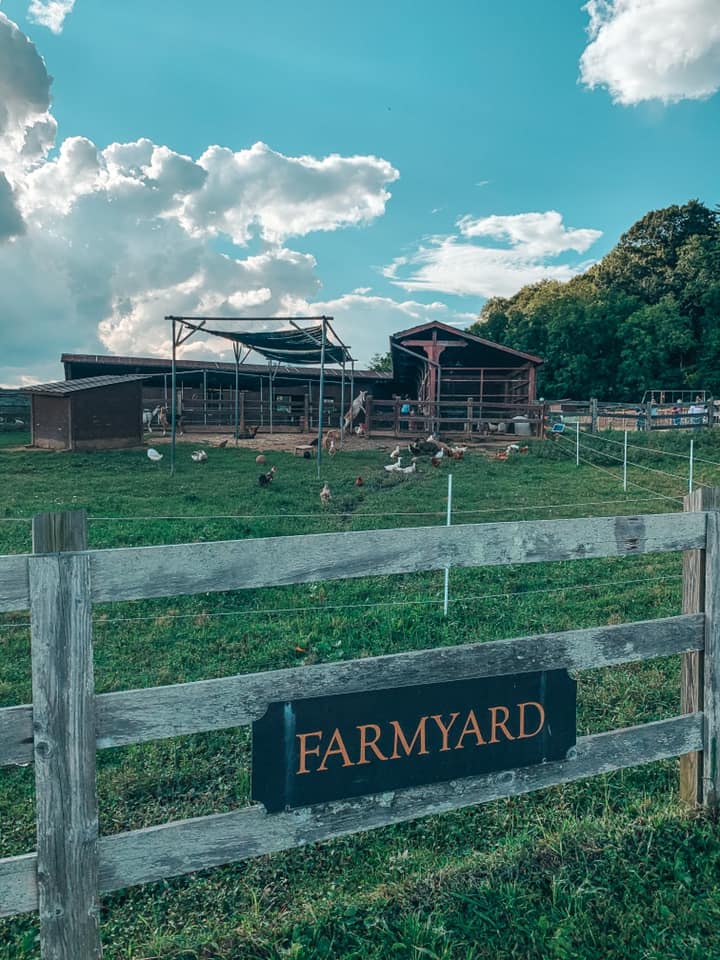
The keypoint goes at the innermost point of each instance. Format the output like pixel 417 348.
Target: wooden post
pixel 699 779
pixel 593 415
pixel 468 415
pixel 64 738
pixel 368 416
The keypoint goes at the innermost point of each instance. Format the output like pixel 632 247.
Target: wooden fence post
pixel 699 777
pixel 64 738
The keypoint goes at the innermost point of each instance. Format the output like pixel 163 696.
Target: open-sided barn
pixel 442 379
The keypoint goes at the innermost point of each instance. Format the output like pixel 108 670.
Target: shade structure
pixel 299 345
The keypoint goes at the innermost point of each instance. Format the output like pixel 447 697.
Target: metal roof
pixel 62 388
pixel 261 369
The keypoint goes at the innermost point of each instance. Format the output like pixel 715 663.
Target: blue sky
pixel 479 145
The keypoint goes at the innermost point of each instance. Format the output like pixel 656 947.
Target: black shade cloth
pixel 289 346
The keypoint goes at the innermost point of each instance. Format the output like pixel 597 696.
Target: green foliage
pixel 609 867
pixel 646 316
pixel 380 362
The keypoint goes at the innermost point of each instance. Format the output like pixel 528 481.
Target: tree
pixel 646 316
pixel 381 363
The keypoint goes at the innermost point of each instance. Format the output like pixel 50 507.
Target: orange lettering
pixel 371 744
pixel 531 703
pixel 499 725
pixel 338 750
pixel 306 751
pixel 471 726
pixel 445 730
pixel 408 747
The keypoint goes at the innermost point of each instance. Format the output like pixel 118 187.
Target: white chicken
pixel 395 453
pixel 154 455
pixel 394 467
pixel 199 456
pixel 325 495
pixel 411 469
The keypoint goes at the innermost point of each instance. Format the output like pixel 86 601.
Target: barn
pixel 443 380
pixel 92 413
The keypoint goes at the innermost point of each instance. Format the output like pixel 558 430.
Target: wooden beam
pixel 152 713
pixel 163 571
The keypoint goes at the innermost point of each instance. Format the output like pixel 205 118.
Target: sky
pixel 385 164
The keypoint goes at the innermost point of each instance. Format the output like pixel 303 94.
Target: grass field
pixel 611 867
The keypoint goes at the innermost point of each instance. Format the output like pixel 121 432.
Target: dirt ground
pixel 287 442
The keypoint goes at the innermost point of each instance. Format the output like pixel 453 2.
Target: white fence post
pixel 690 473
pixel 625 463
pixel 447 569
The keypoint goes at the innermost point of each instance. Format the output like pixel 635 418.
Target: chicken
pixel 223 443
pixel 457 453
pixel 395 453
pixel 253 432
pixel 265 479
pixel 359 481
pixel 394 467
pixel 325 495
pixel 154 455
pixel 411 469
pixel 436 461
pixel 332 449
pixel 199 456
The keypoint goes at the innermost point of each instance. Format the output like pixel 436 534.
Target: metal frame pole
pixel 342 405
pixel 322 397
pixel 173 429
pixel 236 351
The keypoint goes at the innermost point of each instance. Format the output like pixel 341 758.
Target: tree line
pixel 646 316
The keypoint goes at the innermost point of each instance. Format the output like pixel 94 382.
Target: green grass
pixel 610 867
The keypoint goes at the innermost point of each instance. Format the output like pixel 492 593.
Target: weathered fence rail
pixel 67 722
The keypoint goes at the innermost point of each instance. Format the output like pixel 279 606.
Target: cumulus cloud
pixel 365 322
pixel 457 265
pixel 666 50
pixel 11 223
pixel 104 242
pixel 260 189
pixel 50 13
pixel 27 129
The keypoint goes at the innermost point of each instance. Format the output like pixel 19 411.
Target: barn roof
pixel 162 365
pixel 62 388
pixel 458 332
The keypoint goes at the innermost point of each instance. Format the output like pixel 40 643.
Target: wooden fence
pixel 67 722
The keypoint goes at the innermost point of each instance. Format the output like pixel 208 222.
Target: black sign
pixel 329 748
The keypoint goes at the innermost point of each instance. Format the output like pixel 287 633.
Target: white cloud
pixel 50 13
pixel 27 129
pixel 260 189
pixel 456 265
pixel 531 234
pixel 666 50
pixel 365 322
pixel 107 241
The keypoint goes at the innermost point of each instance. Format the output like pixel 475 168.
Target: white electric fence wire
pixel 632 483
pixel 640 466
pixel 664 453
pixel 330 607
pixel 360 516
